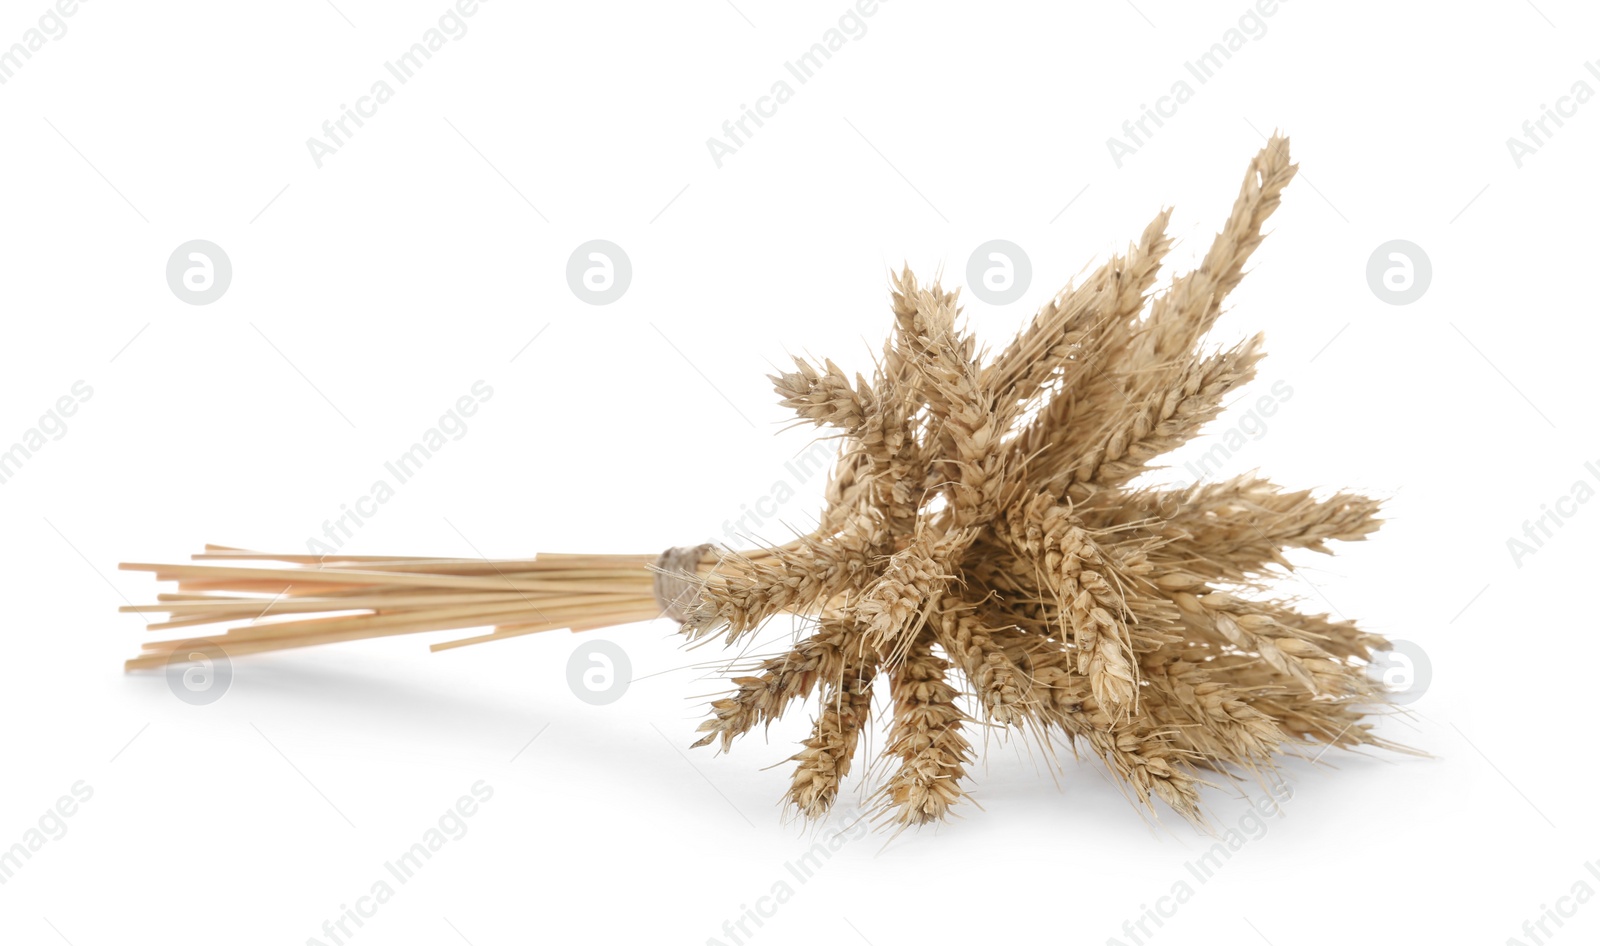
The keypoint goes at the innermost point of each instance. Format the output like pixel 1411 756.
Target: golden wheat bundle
pixel 982 536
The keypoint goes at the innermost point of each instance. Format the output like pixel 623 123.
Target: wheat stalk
pixel 983 533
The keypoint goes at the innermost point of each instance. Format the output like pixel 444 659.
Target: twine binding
pixel 677 585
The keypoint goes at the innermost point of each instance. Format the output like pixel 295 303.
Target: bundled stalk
pixel 983 535
pixel 325 599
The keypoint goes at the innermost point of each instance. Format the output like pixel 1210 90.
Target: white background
pixel 426 254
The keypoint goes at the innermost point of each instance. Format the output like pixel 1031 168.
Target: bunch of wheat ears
pixel 981 534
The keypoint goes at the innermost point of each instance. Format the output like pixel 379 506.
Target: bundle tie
pixel 677 586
